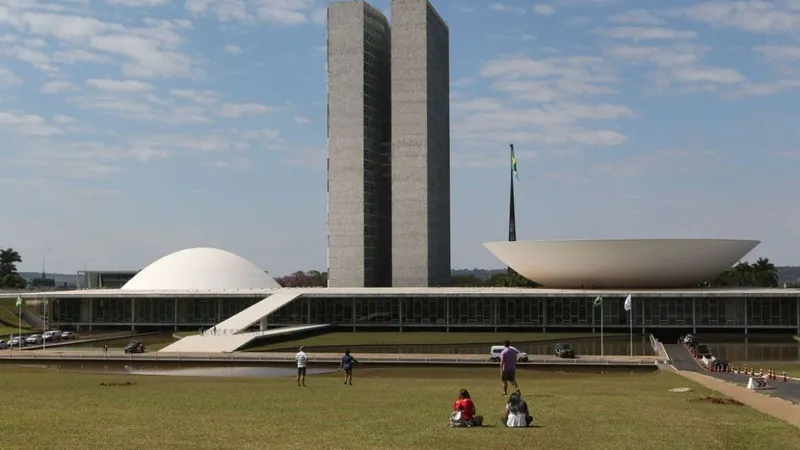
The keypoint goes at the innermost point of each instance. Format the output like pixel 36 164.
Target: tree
pixel 510 280
pixel 9 278
pixel 312 278
pixel 762 273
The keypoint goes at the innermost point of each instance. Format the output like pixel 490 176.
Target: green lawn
pixel 419 338
pixel 7 331
pixel 385 408
pixel 792 369
pixel 10 319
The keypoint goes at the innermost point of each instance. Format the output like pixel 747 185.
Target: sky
pixel 134 128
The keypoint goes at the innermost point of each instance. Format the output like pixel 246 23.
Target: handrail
pixel 156 357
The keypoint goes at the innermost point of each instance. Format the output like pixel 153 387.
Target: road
pixel 683 360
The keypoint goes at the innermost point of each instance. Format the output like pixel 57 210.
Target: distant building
pixel 104 279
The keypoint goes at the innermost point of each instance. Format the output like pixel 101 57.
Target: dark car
pixel 701 351
pixel 564 351
pixel 134 347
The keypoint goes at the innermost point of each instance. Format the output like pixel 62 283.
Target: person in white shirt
pixel 302 363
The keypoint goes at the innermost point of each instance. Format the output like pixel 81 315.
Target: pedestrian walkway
pixel 772 406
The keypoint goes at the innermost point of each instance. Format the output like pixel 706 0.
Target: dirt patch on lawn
pixel 718 400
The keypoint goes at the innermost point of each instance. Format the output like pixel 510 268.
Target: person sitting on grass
pixel 467 416
pixel 516 414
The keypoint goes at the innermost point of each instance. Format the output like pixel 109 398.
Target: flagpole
pixel 46 312
pixel 602 346
pixel 19 326
pixel 630 322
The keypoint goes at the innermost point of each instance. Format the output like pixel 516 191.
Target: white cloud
pixel 27 124
pixel 284 12
pixel 501 7
pixel 647 33
pixel 8 79
pixel 780 52
pixel 201 97
pixel 105 84
pixel 137 3
pixel 544 9
pixel 243 109
pixel 54 87
pixel 636 16
pixel 677 64
pixel 233 49
pixel 752 15
pixel 301 119
pixel 63 120
pixel 151 50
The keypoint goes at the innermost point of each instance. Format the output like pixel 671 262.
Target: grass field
pixel 792 369
pixel 385 408
pixel 419 338
pixel 10 319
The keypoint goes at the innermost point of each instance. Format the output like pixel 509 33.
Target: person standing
pixel 508 366
pixel 301 358
pixel 347 365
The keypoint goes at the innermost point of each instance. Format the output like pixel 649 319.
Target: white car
pixel 494 353
pixel 34 339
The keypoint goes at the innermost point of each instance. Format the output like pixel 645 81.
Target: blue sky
pixel 134 128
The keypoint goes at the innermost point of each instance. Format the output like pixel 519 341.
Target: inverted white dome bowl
pixel 621 263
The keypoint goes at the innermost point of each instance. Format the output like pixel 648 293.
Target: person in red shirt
pixel 467 408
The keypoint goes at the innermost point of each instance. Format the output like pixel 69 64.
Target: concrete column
pixel 400 303
pixel 745 315
pixel 798 316
pixel 263 324
pixel 494 314
pixel 91 312
pixel 175 315
pixel 447 312
pixel 219 310
pixel 133 314
pixel 694 316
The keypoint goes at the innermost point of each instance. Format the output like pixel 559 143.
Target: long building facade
pixel 443 309
pixel 359 137
pixel 420 146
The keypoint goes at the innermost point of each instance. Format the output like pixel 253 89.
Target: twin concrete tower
pixel 388 146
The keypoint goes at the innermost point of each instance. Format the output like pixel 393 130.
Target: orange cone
pixel 761 372
pixel 785 379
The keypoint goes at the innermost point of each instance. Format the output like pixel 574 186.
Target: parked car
pixel 688 339
pixel 134 347
pixel 68 336
pixel 52 336
pixel 17 341
pixel 3 345
pixel 34 339
pixel 564 351
pixel 494 353
pixel 702 350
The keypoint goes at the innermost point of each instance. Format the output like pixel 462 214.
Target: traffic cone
pixel 760 372
pixel 785 379
pixel 752 372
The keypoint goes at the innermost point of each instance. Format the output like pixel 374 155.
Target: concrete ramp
pixel 211 343
pixel 248 317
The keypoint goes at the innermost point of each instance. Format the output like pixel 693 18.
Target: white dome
pixel 201 269
pixel 621 263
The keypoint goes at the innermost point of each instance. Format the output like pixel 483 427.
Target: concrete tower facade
pixel 359 214
pixel 420 83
